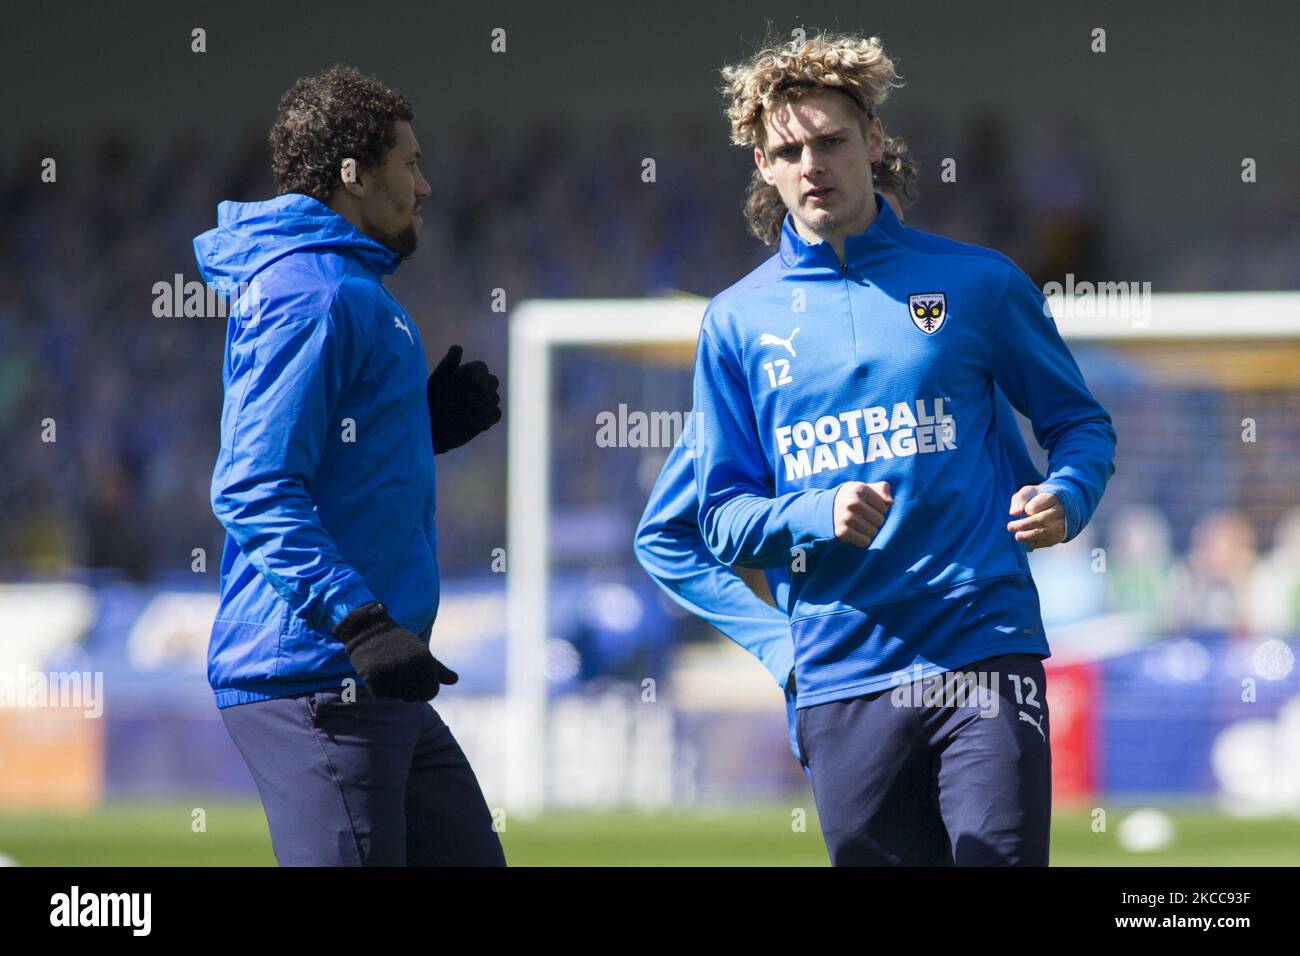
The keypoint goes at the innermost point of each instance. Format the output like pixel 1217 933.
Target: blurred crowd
pixel 1223 584
pixel 110 414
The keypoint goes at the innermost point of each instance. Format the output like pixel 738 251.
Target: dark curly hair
pixel 765 210
pixel 326 118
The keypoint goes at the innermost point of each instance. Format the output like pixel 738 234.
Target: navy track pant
pixel 962 779
pixel 371 782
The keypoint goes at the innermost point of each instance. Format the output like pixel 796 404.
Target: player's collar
pixel 885 231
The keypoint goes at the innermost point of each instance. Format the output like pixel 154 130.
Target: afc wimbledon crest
pixel 928 310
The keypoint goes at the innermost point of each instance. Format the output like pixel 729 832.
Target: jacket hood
pixel 251 235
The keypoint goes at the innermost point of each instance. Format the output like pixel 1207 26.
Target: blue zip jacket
pixel 325 478
pixel 671 549
pixel 893 376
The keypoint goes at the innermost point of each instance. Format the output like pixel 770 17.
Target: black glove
pixel 391 660
pixel 463 401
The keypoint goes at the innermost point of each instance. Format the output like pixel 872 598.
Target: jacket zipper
pixel 848 298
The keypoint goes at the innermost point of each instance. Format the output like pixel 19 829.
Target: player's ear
pixel 765 170
pixel 875 140
pixel 350 177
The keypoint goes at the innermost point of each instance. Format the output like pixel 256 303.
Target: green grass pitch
pixel 763 835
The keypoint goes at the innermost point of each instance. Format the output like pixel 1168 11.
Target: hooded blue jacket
pixel 325 478
pixel 872 393
pixel 671 548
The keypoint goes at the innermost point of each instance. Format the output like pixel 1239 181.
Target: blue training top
pixel 670 547
pixel 810 373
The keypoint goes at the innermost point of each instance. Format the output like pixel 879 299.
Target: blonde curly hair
pixel 777 75
pixel 855 66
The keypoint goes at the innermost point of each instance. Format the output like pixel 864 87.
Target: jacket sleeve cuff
pixel 816 517
pixel 783 676
pixel 341 605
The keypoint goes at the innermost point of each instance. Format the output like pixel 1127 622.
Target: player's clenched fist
pixel 1044 525
pixel 860 511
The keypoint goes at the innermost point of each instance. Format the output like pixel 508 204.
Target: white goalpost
pixel 539 327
